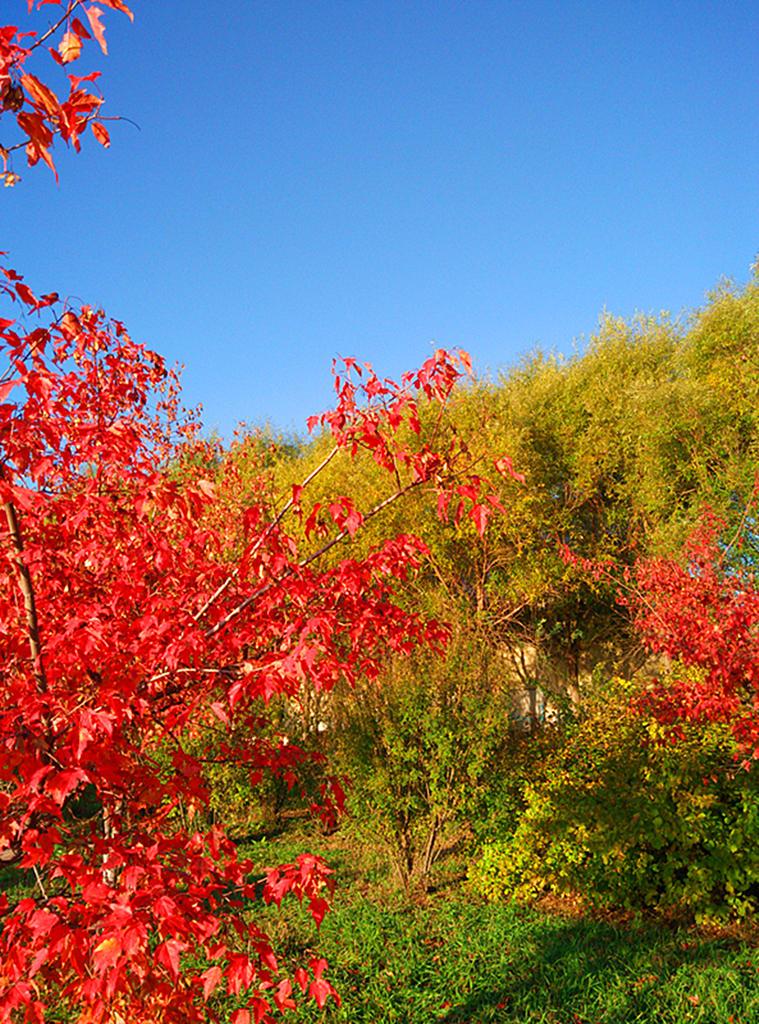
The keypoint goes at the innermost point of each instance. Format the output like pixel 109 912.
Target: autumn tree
pixel 141 602
pixel 701 610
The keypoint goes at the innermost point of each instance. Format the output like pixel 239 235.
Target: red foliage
pixel 705 615
pixel 39 113
pixel 125 623
pixel 138 603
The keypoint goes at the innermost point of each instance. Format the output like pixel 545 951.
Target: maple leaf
pixel 319 989
pixel 79 29
pixel 479 515
pixel 141 623
pixel 64 783
pixel 93 16
pixel 106 953
pixel 167 953
pixel 211 979
pixel 318 908
pixel 25 294
pixel 101 133
pixel 40 93
pixel 505 467
pixel 117 5
pixel 70 47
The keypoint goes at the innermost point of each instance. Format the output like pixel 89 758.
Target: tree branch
pixel 69 11
pixel 259 591
pixel 25 582
pixel 278 519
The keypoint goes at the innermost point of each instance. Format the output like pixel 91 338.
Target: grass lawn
pixel 450 959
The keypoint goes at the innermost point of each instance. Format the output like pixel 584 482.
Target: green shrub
pixel 630 820
pixel 421 746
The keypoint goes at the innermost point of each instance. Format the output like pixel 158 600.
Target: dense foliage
pixel 629 820
pixel 422 751
pixel 623 445
pixel 197 637
pixel 152 605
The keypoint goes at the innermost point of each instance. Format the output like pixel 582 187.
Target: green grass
pixel 451 959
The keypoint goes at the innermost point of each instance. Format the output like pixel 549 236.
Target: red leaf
pixel 41 921
pixel 479 515
pixel 443 500
pixel 39 959
pixel 211 979
pixel 220 711
pixel 318 908
pixel 40 137
pixel 70 325
pixel 117 5
pixel 318 966
pixel 283 994
pixel 25 294
pixel 167 953
pixel 106 953
pixel 505 468
pixel 240 974
pixel 101 133
pixel 76 80
pixel 80 30
pixel 319 989
pixel 93 16
pixel 353 521
pixel 41 95
pixel 63 783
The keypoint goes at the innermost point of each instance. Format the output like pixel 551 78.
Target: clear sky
pixel 377 177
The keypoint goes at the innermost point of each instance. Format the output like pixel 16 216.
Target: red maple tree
pixel 139 600
pixel 703 613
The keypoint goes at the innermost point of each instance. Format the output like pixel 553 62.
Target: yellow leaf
pixel 70 47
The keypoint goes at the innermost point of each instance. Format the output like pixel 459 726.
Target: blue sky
pixel 375 179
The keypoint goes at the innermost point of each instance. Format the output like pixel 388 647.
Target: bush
pixel 630 820
pixel 421 746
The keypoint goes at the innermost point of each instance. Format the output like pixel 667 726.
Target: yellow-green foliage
pixel 631 820
pixel 622 444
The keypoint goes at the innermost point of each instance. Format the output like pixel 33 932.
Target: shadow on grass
pixel 450 959
pixel 584 972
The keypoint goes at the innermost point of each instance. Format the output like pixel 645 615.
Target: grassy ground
pixel 450 959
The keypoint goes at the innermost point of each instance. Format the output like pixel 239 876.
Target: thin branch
pixel 87 118
pixel 39 883
pixel 188 671
pixel 260 591
pixel 69 11
pixel 275 522
pixel 742 523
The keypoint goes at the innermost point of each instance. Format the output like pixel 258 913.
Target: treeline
pixel 518 743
